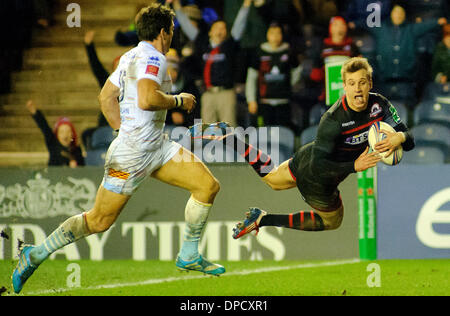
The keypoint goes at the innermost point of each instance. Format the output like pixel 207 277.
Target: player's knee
pixel 208 188
pixel 334 221
pixel 212 186
pixel 269 180
pixel 333 224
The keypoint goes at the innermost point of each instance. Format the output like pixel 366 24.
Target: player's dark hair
pixel 218 21
pixel 355 64
pixel 150 20
pixel 275 24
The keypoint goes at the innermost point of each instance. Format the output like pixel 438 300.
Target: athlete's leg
pixel 280 178
pixel 107 208
pixel 105 211
pixel 256 158
pixel 312 220
pixel 186 171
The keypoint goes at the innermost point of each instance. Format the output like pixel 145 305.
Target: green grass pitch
pixel 249 278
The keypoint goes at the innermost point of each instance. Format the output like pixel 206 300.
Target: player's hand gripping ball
pixel 376 135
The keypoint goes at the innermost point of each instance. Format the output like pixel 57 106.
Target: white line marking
pixel 175 279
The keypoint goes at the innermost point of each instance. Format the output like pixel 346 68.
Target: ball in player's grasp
pixel 375 136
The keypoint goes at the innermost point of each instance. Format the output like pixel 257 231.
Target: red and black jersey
pixel 343 133
pixel 218 62
pixel 341 138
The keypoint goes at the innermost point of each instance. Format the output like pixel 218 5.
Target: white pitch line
pixel 175 279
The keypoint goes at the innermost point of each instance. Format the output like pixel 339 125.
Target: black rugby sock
pixel 260 161
pixel 303 220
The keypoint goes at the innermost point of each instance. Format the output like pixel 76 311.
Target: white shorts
pixel 126 167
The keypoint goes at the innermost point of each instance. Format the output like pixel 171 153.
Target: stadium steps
pixel 57 76
pixel 23 159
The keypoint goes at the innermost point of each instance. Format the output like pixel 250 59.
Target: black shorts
pixel 319 194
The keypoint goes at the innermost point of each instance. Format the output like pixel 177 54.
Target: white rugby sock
pixel 196 215
pixel 68 232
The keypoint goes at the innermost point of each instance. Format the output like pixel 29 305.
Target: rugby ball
pixel 375 136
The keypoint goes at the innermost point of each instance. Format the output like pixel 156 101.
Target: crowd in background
pixel 261 62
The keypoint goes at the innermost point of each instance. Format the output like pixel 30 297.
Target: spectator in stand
pixel 270 77
pixel 217 54
pixel 356 12
pixel 101 74
pixel 396 53
pixel 336 44
pixel 61 142
pixel 252 36
pixel 184 44
pixel 181 82
pixel 441 58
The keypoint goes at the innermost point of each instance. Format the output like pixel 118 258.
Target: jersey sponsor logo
pixel 394 114
pixel 348 123
pixel 152 70
pixel 284 57
pixel 375 110
pixel 153 60
pixel 357 139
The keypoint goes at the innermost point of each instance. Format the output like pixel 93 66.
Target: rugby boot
pixel 251 223
pixel 201 265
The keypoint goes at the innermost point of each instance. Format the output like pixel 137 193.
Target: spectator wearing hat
pixel 216 52
pixel 441 58
pixel 338 43
pixel 62 141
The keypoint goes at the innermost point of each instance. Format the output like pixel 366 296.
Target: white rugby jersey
pixel 138 127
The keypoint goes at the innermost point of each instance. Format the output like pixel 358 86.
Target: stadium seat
pixel 278 138
pixel 423 154
pixel 316 113
pixel 403 91
pixel 429 111
pixel 437 92
pixel 270 138
pixel 95 157
pixel 432 134
pixel 309 134
pixel 102 137
pixel 286 140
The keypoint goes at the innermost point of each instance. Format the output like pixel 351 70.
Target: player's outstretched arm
pixel 366 160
